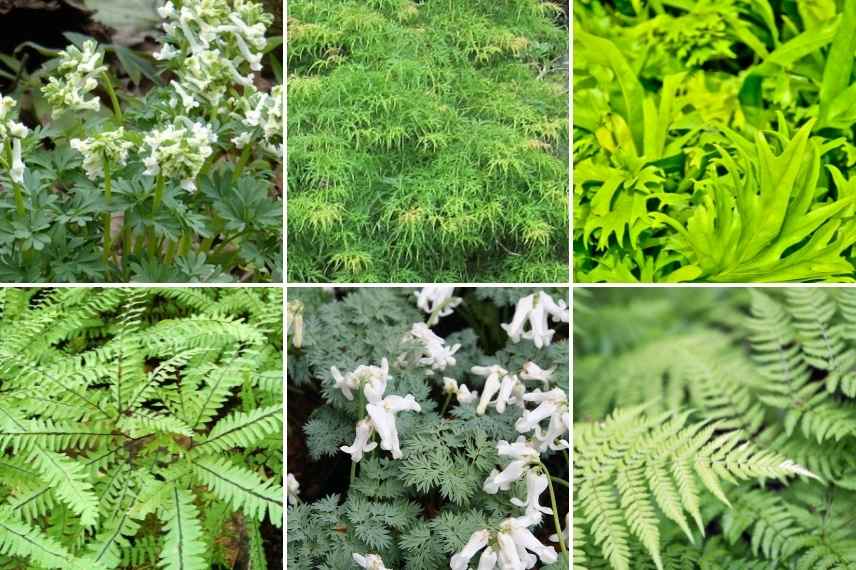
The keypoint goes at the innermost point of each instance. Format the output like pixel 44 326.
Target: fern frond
pixel 241 429
pixel 21 540
pixel 69 480
pixel 241 488
pixel 184 548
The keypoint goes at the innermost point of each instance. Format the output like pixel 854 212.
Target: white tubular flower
pixel 477 541
pixel 293 488
pixel 549 404
pixel 536 484
pixel 361 444
pixel 566 533
pixel 488 559
pixel 373 377
pixel 106 146
pixel 536 309
pixel 370 561
pixel 522 539
pixel 438 301
pixel 11 129
pixel 78 77
pixel 179 151
pixel 383 413
pixel 435 353
pixel 532 371
pixel 450 386
pixel 523 457
pixel 493 375
pixel 294 323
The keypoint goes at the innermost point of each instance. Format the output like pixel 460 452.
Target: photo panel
pixel 141 428
pixel 428 141
pixel 427 428
pixel 714 427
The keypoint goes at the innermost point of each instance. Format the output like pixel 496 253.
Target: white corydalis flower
pixel 105 146
pixel 536 484
pixel 362 443
pixel 382 413
pixel 523 457
pixel 78 71
pixel 17 132
pixel 514 542
pixel 535 309
pixel 553 405
pixel 375 377
pixel 437 301
pixel 566 533
pixel 293 489
pixel 532 371
pixel 179 151
pixel 463 394
pixel 370 561
pixel 435 352
pixel 294 323
pixel 498 382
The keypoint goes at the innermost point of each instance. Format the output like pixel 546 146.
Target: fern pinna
pixel 140 428
pixel 716 429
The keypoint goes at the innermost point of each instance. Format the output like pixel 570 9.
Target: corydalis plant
pixel 180 177
pixel 130 440
pixel 488 473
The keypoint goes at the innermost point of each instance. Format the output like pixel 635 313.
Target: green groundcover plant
pixel 140 429
pixel 428 141
pixel 715 429
pixel 437 436
pixel 714 141
pixel 159 168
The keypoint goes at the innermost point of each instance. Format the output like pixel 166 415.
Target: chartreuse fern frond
pixel 633 468
pixel 113 403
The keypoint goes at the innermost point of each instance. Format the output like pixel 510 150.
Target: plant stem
pixel 560 481
pixel 361 412
pixel 117 110
pixel 559 534
pixel 19 201
pixel 227 241
pixel 108 217
pixel 156 202
pixel 242 162
pixel 446 404
pixel 158 193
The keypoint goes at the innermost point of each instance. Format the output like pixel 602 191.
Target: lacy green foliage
pixel 87 213
pixel 714 142
pixel 779 379
pixel 417 511
pixel 427 141
pixel 139 427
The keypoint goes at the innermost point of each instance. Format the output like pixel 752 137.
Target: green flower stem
pixel 242 162
pixel 186 242
pixel 156 202
pixel 108 216
pixel 19 200
pixel 159 186
pixel 560 481
pixel 559 534
pixel 227 241
pixel 361 409
pixel 446 404
pixel 117 109
pixel 171 250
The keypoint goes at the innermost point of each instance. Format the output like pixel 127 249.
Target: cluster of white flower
pixel 294 323
pixel 262 114
pixel 435 352
pixel 438 301
pixel 78 71
pixel 179 151
pixel 105 146
pixel 525 461
pixel 381 410
pixel 12 132
pixel 208 42
pixel 370 562
pixel 462 392
pixel 535 309
pixel 511 547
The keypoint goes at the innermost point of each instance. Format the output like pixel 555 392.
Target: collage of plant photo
pixel 427 284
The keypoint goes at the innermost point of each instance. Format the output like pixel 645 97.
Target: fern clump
pixel 714 141
pixel 722 437
pixel 428 141
pixel 140 428
pixel 428 431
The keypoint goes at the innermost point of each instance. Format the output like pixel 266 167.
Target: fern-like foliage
pixel 713 415
pixel 139 426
